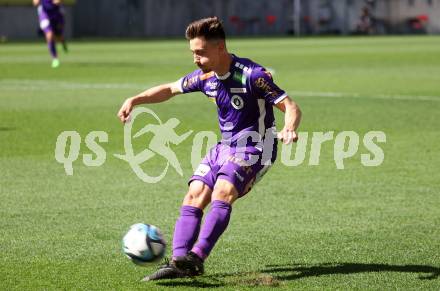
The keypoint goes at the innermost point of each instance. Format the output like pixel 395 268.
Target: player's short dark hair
pixel 210 28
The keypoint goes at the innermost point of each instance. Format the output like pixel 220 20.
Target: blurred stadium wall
pixel 165 18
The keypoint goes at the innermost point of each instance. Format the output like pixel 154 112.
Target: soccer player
pixel 51 18
pixel 245 95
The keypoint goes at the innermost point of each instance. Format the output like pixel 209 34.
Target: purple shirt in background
pixel 51 17
pixel 49 6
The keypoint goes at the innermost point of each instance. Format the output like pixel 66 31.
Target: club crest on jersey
pixel 237 102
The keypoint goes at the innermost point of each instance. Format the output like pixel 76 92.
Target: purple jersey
pixel 49 6
pixel 244 96
pixel 51 17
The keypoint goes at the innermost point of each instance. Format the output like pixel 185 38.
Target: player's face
pixel 206 54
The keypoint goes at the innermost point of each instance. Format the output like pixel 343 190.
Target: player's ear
pixel 221 45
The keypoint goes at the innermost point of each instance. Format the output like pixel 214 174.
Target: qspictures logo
pixel 165 140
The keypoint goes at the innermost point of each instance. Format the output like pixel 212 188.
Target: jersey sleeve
pixel 263 86
pixel 189 83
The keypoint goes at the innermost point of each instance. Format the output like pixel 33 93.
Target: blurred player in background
pixel 51 19
pixel 245 95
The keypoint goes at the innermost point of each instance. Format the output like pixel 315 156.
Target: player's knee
pixel 195 199
pixel 192 196
pixel 225 192
pixel 223 196
pixel 197 196
pixel 49 36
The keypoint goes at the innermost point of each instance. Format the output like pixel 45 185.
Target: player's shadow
pixel 272 275
pixel 195 283
pixel 298 271
pixel 2 128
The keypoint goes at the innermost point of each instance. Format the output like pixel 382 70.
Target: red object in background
pixel 419 22
pixel 271 19
pixel 417 25
pixel 423 18
pixel 234 19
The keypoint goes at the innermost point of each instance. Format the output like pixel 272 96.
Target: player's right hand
pixel 126 108
pixel 287 135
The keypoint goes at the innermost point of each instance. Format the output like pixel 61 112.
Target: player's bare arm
pixel 292 118
pixel 36 2
pixel 155 94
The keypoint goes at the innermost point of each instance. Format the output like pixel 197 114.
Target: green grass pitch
pixel 304 227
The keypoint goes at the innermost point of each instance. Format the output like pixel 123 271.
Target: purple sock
pixel 215 224
pixel 52 49
pixel 186 230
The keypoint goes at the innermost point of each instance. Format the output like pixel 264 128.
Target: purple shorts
pixel 243 168
pixel 53 21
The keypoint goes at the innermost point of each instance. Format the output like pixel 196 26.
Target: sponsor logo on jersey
pixel 238 90
pixel 266 87
pixel 237 102
pixel 239 77
pixel 243 67
pixel 188 82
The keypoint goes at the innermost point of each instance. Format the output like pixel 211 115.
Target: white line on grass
pixel 362 96
pixel 30 85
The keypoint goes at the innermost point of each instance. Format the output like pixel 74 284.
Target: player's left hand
pixel 287 135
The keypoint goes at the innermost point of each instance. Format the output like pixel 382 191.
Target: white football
pixel 143 244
